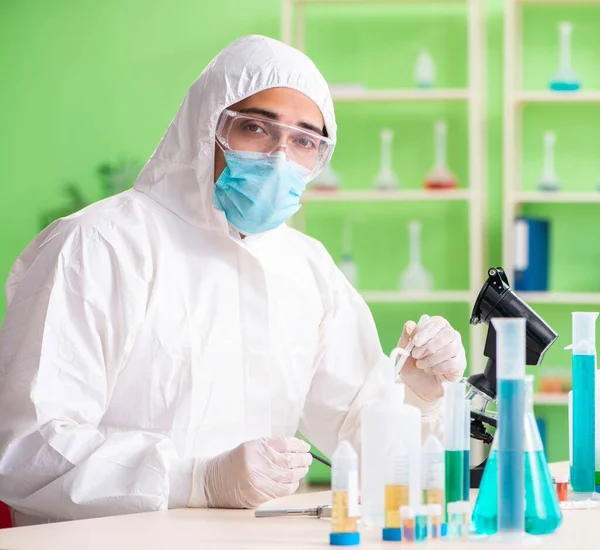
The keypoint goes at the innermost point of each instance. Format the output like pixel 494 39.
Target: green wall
pixel 88 82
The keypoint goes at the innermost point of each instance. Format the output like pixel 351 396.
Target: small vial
pixel 458 519
pixel 407 516
pixel 396 492
pixel 344 487
pixel 434 521
pixel 561 482
pixel 421 523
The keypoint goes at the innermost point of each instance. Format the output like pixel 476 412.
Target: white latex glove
pixel 438 356
pixel 255 472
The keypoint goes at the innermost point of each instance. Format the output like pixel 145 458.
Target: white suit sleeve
pixel 350 369
pixel 72 314
pixel 351 372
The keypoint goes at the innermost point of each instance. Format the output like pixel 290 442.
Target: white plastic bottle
pixel 382 425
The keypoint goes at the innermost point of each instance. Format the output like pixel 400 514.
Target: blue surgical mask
pixel 259 192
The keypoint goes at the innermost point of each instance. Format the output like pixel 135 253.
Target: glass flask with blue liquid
pixel 542 510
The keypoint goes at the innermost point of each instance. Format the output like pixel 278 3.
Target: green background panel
pixel 87 82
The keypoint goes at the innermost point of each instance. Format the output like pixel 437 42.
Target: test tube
pixel 407 516
pixel 396 492
pixel 434 472
pixel 561 482
pixel 467 454
pixel 434 521
pixel 570 412
pixel 597 429
pixel 458 519
pixel 584 390
pixel 510 372
pixel 344 487
pixel 454 427
pixel 421 523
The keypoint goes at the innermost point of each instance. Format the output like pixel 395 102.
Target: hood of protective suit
pixel 180 174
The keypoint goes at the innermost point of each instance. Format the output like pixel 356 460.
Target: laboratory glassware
pixel 327 180
pixel 455 406
pixel 415 277
pixel 425 70
pixel 467 453
pixel 549 179
pixel 434 472
pixel 542 508
pixel 565 79
pixel 386 179
pixel 347 265
pixel 440 177
pixel 583 365
pixel 383 424
pixel 344 487
pixel 396 491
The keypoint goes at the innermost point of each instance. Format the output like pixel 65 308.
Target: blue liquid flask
pixel 542 510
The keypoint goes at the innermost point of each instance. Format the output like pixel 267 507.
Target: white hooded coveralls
pixel 143 335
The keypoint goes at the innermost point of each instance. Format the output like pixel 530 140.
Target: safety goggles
pixel 244 132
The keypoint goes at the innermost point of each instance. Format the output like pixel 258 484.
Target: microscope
pixel 497 299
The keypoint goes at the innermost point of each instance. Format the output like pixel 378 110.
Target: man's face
pixel 280 104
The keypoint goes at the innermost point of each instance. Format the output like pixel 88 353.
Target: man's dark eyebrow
pixel 274 116
pixel 261 112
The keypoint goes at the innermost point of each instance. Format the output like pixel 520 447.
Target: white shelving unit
pixel 391 296
pixel 293 32
pixel 514 101
pixel 341 95
pixel 385 196
pixel 557 399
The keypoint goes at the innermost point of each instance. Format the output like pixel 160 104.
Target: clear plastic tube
pixel 434 472
pixel 510 354
pixel 467 454
pixel 455 406
pixel 344 487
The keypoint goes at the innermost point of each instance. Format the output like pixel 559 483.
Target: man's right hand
pixel 255 472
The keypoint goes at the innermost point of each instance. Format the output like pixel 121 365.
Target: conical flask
pixel 542 511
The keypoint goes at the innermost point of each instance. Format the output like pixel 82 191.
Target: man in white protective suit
pixel 161 348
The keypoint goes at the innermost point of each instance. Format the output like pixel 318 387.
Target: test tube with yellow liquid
pixel 396 492
pixel 434 472
pixel 344 486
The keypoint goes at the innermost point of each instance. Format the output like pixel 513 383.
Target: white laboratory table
pixel 201 529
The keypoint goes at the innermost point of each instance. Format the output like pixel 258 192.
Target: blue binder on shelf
pixel 532 254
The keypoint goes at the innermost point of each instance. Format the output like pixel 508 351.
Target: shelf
pixel 548 96
pixel 386 196
pixel 563 2
pixel 365 95
pixel 394 296
pixel 556 197
pixel 583 298
pixel 379 1
pixel 551 399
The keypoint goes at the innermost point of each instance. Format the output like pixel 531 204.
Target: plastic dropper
pixel 549 180
pixel 415 277
pixel 565 79
pixel 400 355
pixel 440 177
pixel 386 179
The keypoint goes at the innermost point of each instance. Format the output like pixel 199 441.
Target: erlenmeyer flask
pixel 542 511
